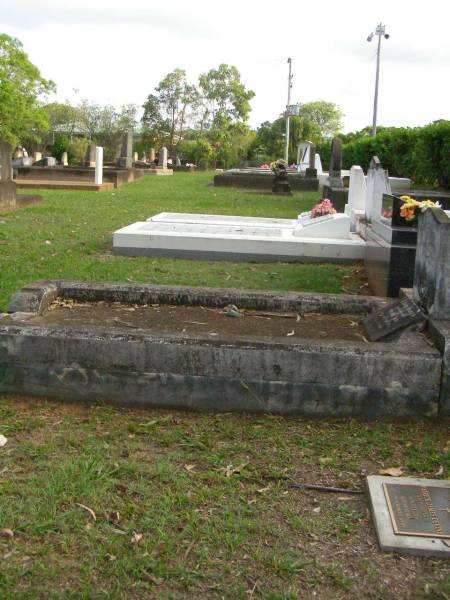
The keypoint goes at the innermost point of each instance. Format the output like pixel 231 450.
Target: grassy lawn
pixel 109 503
pixel 69 236
pixel 129 504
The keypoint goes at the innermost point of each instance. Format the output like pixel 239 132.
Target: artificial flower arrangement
pixel 325 207
pixel 410 207
pixel 279 164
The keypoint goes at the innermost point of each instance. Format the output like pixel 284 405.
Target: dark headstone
pixel 432 266
pixel 392 318
pixel 335 179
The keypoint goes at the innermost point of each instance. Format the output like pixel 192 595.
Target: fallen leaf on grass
pixel 113 516
pixel 136 537
pixel 230 470
pixel 3 440
pixel 189 468
pixel 3 242
pixel 118 531
pixel 324 460
pixel 89 510
pixel 316 510
pixel 7 533
pixel 392 471
pixel 149 577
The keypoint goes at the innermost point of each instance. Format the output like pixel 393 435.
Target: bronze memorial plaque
pixel 419 510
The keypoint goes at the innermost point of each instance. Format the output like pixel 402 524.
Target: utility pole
pixel 380 31
pixel 286 150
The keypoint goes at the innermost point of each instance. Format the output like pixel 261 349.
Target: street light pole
pixel 380 31
pixel 286 149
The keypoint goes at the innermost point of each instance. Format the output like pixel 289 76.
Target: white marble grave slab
pixel 236 240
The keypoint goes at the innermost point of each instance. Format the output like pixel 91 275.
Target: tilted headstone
pixel 377 185
pixel 334 175
pixel 432 266
pixel 152 155
pixel 162 160
pixel 392 318
pixel 64 159
pixel 357 192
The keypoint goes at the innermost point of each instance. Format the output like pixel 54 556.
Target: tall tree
pixel 21 89
pixel 224 97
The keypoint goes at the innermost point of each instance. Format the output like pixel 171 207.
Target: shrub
pixel 77 150
pixel 60 145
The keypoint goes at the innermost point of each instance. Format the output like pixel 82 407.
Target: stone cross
pixel 432 266
pixel 334 176
pixel 162 160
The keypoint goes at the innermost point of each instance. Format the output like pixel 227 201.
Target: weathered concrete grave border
pixel 399 378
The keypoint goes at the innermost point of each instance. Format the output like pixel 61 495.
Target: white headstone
pixel 318 164
pixel 357 190
pixel 99 165
pixel 162 160
pixel 135 156
pixel 37 156
pixel 377 185
pixel 64 159
pixel 303 151
pixel 50 161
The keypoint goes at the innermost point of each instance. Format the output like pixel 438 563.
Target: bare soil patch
pixel 199 321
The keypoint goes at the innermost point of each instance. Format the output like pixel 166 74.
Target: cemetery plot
pixel 204 322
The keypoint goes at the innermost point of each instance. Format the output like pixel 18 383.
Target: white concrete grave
pixel 224 237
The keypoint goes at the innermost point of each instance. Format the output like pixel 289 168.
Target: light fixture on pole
pixel 286 149
pixel 380 31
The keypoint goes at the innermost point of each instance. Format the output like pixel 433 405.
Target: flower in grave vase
pixel 411 207
pixel 322 208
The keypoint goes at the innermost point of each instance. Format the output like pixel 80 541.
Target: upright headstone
pixel 18 153
pixel 99 165
pixel 64 159
pixel 37 156
pixel 311 170
pixel 152 155
pixel 162 160
pixel 318 164
pixel 7 185
pixel 135 156
pixel 334 175
pixel 50 161
pixel 178 161
pixel 357 192
pixel 377 185
pixel 303 155
pixel 144 157
pixel 432 266
pixel 126 158
pixel 90 155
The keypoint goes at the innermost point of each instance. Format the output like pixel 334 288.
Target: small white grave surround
pixel 241 238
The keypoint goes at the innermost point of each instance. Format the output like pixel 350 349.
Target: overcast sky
pixel 116 51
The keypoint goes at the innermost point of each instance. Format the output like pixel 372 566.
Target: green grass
pixel 69 236
pixel 161 474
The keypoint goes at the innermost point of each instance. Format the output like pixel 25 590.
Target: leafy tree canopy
pixel 21 88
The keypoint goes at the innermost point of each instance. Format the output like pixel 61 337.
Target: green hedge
pixel 421 153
